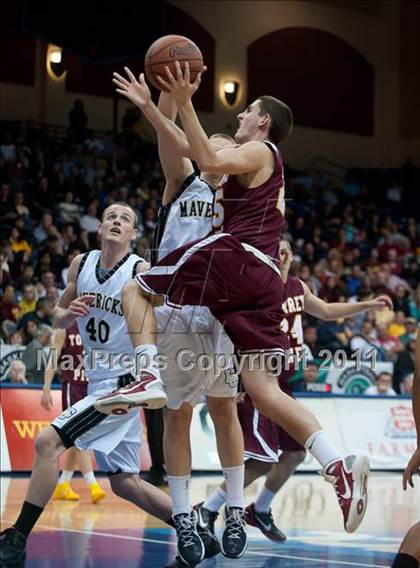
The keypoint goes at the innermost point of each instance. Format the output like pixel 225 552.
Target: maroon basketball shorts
pixel 263 438
pixel 242 289
pixel 72 392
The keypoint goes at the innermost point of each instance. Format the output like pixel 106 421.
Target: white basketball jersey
pixel 187 218
pixel 106 343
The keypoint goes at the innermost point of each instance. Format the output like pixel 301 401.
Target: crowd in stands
pixel 353 238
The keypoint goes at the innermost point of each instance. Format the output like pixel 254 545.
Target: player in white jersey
pixel 94 297
pixel 185 216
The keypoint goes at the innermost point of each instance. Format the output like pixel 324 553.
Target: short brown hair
pixel 281 118
pixel 136 217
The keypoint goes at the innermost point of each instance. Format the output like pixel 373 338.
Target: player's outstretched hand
pixel 137 92
pixel 412 468
pixel 46 400
pixel 380 302
pixel 180 86
pixel 80 306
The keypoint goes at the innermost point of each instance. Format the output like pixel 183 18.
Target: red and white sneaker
pixel 147 391
pixel 350 479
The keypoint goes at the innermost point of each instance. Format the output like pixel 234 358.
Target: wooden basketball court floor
pixel 115 534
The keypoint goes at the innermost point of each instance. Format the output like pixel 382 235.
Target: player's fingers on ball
pixel 142 79
pixel 169 75
pixel 163 82
pixel 178 70
pixel 187 72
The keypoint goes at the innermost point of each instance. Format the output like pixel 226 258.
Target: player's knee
pixel 296 458
pixel 47 443
pixel 222 410
pixel 122 485
pixel 178 420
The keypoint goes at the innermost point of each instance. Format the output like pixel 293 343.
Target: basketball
pixel 165 51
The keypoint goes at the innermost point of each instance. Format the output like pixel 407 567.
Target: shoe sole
pixel 254 523
pixel 358 507
pixel 121 404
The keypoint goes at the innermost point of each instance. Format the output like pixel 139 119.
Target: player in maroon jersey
pixel 233 273
pixel 68 354
pixel 263 437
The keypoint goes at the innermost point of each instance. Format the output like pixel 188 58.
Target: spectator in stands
pixel 42 315
pixel 16 338
pixel 310 376
pixel 18 241
pixel 90 221
pixel 29 330
pixel 382 386
pixel 310 339
pixel 397 327
pixel 34 352
pixel 28 301
pixel 17 373
pixel 406 384
pixel 410 330
pixel 390 345
pixel 46 228
pixel 68 210
pixel 9 311
pixel 404 364
pixel 365 342
pixel 78 121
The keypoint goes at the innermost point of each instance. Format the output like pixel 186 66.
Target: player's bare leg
pixel 230 447
pixel 147 390
pixel 177 450
pixel 132 488
pixel 258 514
pixel 409 553
pixel 348 475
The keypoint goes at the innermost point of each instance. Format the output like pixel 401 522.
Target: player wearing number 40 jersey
pixel 94 296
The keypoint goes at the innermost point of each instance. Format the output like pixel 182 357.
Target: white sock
pixel 321 447
pixel 65 476
pixel 215 500
pixel 264 500
pixel 234 477
pixel 89 477
pixel 146 359
pixel 180 493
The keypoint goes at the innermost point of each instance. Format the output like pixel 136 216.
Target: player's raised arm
pixel 138 92
pixel 247 158
pixel 175 167
pixel 338 310
pixel 70 306
pixel 413 466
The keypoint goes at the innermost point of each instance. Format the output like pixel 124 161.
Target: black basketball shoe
pixel 264 522
pixel 190 546
pixel 206 518
pixel 234 539
pixel 12 548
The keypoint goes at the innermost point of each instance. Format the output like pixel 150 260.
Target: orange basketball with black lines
pixel 165 51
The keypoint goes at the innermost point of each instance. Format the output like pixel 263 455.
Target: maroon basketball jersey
pixel 71 357
pixel 253 216
pixel 291 324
